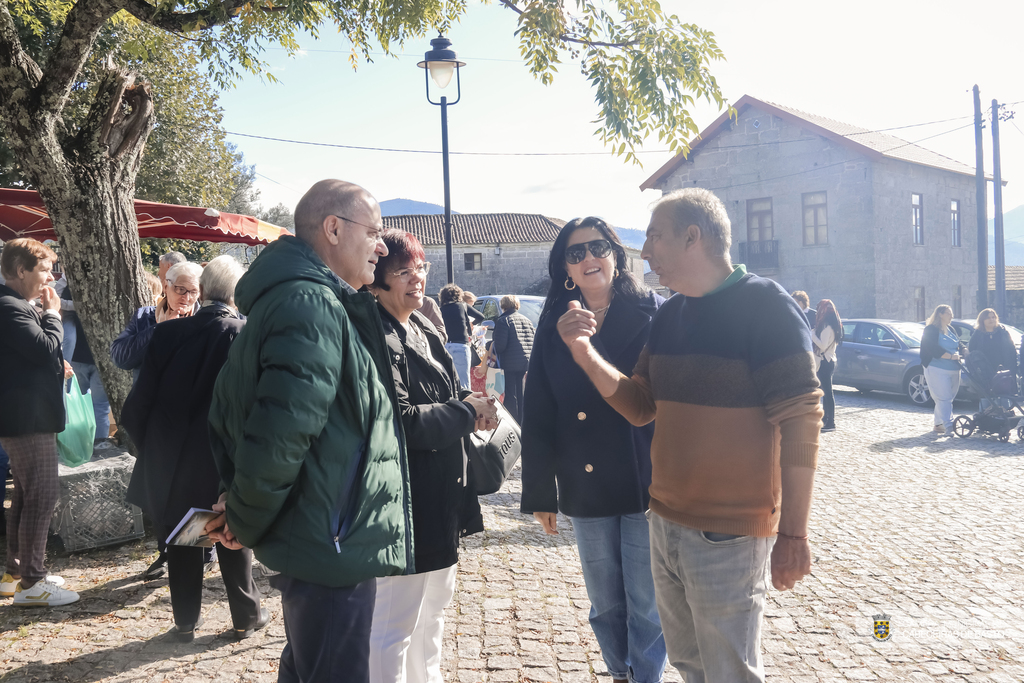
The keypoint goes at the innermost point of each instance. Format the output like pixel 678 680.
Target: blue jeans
pixel 615 553
pixel 460 354
pixel 67 346
pixel 89 382
pixel 711 592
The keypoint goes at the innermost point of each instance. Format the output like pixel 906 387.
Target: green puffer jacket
pixel 303 428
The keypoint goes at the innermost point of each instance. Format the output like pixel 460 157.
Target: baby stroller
pixel 1004 413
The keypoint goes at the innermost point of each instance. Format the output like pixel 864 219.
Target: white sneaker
pixel 44 594
pixel 9 584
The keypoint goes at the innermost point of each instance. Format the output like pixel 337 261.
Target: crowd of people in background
pixel 319 404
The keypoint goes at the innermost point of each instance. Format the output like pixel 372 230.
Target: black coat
pixel 601 463
pixel 31 368
pixel 444 506
pixel 167 410
pixel 513 341
pixel 997 346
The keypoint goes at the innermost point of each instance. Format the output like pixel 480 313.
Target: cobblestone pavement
pixel 924 528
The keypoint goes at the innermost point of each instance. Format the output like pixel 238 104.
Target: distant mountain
pixel 632 237
pixel 1013 237
pixel 408 207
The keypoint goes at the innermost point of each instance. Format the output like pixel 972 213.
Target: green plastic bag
pixel 74 444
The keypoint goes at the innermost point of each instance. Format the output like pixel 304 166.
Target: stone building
pixel 881 226
pixel 492 253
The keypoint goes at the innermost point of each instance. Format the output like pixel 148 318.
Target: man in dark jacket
pixel 306 433
pixel 513 341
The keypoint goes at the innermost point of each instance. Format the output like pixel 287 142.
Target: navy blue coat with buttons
pixel 580 456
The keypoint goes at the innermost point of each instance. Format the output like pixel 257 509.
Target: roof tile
pixel 479 228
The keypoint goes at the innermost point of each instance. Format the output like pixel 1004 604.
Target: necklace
pixel 598 311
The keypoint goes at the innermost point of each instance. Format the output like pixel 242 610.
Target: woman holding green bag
pixel 32 369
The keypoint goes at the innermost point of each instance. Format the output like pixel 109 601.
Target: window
pixel 957 295
pixel 815 218
pixel 954 219
pixel 875 335
pixel 919 308
pixel 474 262
pixel 759 220
pixel 917 206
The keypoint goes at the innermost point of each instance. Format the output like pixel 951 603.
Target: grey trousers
pixel 36 489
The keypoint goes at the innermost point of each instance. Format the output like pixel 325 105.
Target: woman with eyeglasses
pixel 582 458
pixel 408 616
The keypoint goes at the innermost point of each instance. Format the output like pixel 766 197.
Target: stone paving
pixel 924 528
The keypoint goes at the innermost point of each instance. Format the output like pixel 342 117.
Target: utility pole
pixel 997 198
pixel 981 201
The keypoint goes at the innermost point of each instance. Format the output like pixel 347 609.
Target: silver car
pixel 883 355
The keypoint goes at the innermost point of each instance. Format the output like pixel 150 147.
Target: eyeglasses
pixel 183 291
pixel 376 230
pixel 578 252
pixel 406 273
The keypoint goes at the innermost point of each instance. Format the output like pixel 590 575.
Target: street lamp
pixel 438 63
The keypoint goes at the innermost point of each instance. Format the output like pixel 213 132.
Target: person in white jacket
pixel 827 335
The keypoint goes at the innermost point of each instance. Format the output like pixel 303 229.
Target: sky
pixel 874 64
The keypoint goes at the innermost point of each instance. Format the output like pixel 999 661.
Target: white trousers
pixel 408 625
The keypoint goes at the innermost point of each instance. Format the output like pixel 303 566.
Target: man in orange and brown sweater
pixel 729 373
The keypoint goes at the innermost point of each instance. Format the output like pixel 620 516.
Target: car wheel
pixel 917 388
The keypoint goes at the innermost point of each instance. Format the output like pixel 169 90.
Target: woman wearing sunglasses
pixel 582 458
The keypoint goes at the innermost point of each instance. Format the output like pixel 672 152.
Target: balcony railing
pixel 763 255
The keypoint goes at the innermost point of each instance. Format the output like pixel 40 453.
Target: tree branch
pixel 212 16
pixel 569 39
pixel 83 24
pixel 15 64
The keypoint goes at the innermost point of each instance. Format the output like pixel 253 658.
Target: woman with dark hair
pixel 582 458
pixel 512 344
pixel 827 335
pixel 458 323
pixel 408 616
pixel 996 347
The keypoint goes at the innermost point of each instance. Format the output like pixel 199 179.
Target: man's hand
pixel 49 299
pixel 576 327
pixel 217 528
pixel 69 372
pixel 548 520
pixel 791 561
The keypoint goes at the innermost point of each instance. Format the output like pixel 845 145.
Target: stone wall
pixel 518 269
pixel 869 265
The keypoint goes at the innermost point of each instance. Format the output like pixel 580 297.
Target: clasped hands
pixel 217 528
pixel 486 412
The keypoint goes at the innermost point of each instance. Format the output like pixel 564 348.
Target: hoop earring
pixel 568 279
pixel 616 275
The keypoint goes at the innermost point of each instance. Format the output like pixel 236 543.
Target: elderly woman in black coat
pixel 582 458
pixel 512 344
pixel 32 369
pixel 166 415
pixel 437 413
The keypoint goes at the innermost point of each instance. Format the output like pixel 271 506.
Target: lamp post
pixel 438 65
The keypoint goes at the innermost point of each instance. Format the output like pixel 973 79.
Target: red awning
pixel 22 214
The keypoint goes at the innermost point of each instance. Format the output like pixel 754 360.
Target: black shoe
pixel 157 569
pixel 243 633
pixel 185 634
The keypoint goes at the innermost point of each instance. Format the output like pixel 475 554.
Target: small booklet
pixel 191 530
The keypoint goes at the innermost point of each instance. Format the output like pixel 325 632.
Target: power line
pixel 558 154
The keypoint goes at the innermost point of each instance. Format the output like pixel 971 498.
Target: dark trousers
pixel 328 631
pixel 36 490
pixel 185 579
pixel 514 382
pixel 828 401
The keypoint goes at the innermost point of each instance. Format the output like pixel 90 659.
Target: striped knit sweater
pixel 730 377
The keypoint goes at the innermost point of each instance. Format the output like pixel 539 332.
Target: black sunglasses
pixel 578 252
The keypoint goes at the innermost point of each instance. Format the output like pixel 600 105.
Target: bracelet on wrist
pixel 792 538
